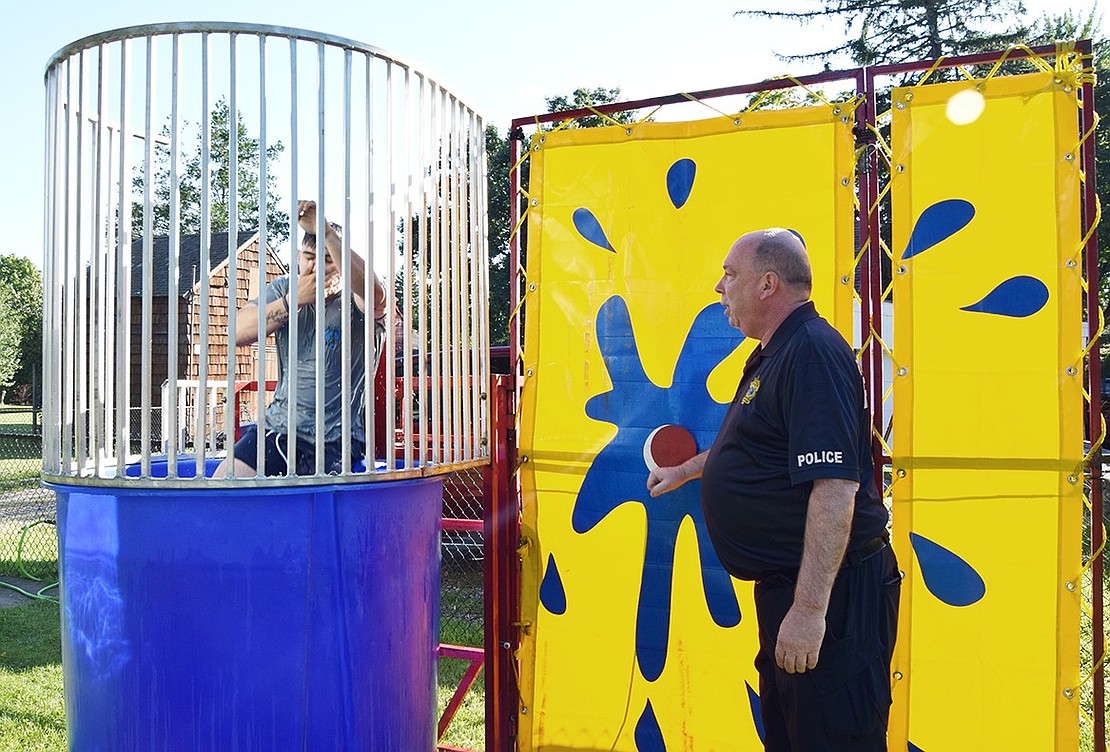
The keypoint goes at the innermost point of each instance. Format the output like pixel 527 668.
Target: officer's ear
pixel 769 284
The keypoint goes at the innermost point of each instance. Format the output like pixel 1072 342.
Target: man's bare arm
pixel 333 246
pixel 664 479
pixel 246 320
pixel 828 525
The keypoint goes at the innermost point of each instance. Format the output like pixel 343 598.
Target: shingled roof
pixel 188 264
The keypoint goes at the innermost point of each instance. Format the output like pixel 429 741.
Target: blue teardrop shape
pixel 648 736
pixel 911 747
pixel 798 235
pixel 589 228
pixel 552 595
pixel 680 181
pixel 951 579
pixel 1017 297
pixel 757 712
pixel 938 222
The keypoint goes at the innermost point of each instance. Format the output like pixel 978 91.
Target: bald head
pixel 782 252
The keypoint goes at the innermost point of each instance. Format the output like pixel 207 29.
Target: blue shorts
pixel 275 453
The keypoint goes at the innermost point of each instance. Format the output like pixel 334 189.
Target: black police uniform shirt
pixel 799 415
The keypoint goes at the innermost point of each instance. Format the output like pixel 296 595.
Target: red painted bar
pixel 1094 415
pixel 501 513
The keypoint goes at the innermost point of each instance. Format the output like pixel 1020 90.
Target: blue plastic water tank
pixel 250 619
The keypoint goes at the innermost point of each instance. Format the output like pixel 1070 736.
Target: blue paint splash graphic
pixel 937 223
pixel 757 710
pixel 1017 297
pixel 589 228
pixel 680 181
pixel 951 579
pixel 648 736
pixel 552 594
pixel 618 475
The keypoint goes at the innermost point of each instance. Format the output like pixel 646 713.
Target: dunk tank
pixel 267 613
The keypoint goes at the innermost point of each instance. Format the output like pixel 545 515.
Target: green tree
pixel 20 320
pixel 219 182
pixel 9 343
pixel 582 98
pixel 497 189
pixel 896 31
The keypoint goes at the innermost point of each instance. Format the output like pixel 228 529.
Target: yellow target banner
pixel 633 635
pixel 988 426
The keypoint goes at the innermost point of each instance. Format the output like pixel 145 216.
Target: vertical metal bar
pixel 231 421
pixel 123 278
pixel 174 251
pixel 69 276
pixel 466 342
pixel 263 260
pixel 369 363
pixel 407 270
pixel 439 208
pixel 421 273
pixel 96 416
pixel 501 536
pixel 346 291
pixel 443 317
pixel 294 307
pixel 473 290
pixel 483 304
pixel 516 351
pixel 112 374
pixel 204 429
pixel 390 281
pixel 321 260
pixel 148 260
pixel 874 266
pixel 1094 415
pixel 49 266
pixel 871 298
pixel 81 295
pixel 457 241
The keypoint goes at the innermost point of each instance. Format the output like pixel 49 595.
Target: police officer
pixel 790 502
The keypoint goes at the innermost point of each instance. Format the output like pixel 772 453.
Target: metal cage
pixel 175 158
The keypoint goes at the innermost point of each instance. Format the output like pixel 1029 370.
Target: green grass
pixel 17 419
pixel 37 559
pixel 20 459
pixel 32 718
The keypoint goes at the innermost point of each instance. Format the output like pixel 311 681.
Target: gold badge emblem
pixel 752 389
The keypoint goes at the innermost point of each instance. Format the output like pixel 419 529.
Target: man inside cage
pixel 281 304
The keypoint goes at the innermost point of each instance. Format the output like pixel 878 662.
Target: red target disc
pixel 668 446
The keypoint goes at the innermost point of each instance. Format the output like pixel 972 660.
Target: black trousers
pixel 843 704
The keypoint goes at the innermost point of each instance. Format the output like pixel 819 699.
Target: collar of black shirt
pixel 803 313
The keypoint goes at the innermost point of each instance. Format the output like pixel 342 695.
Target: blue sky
pixel 501 57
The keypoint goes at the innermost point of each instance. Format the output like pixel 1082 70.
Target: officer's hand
pixel 664 479
pixel 799 641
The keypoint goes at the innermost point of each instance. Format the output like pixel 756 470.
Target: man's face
pixel 306 261
pixel 739 288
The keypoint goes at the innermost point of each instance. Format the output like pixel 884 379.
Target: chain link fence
pixel 461 587
pixel 28 537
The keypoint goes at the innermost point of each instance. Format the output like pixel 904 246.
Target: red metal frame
pixel 503 577
pixel 248 386
pixel 476 656
pixel 502 571
pixel 1094 414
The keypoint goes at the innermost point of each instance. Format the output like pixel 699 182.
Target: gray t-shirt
pixel 278 411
